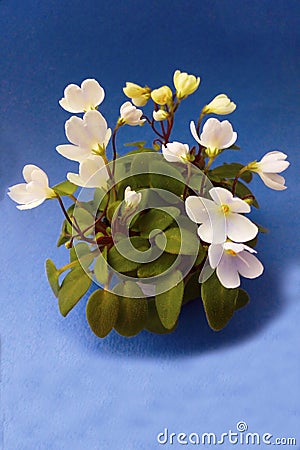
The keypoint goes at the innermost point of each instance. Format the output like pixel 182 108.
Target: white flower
pixel 89 136
pixel 132 198
pixel 215 136
pixel 130 115
pixel 232 260
pixel 81 99
pixel 160 115
pixel 221 104
pixel 92 173
pixel 268 168
pixel 176 151
pixel 35 191
pixel 220 218
pixel 138 94
pixel 185 84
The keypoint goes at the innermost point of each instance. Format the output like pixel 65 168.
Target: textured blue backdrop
pixel 61 387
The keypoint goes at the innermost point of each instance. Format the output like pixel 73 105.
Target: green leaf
pixel 81 252
pixel 219 302
pixel 84 218
pixel 154 268
pixel 230 171
pixel 119 263
pixel 52 275
pixel 65 234
pixel 168 304
pixel 102 311
pixel 65 188
pixel 112 208
pixel 133 312
pixel 242 299
pixel 75 285
pixel 191 288
pixel 179 241
pixel 153 323
pixel 156 219
pixel 201 255
pixel 101 268
pixel 139 144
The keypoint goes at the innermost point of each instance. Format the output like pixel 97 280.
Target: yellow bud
pixel 162 95
pixel 221 104
pixel 138 94
pixel 160 115
pixel 185 84
pixel 156 146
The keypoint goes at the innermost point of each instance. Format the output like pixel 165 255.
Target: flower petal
pixel 273 181
pixel 227 272
pixel 194 132
pixel 239 228
pixel 248 265
pixel 31 205
pixel 96 126
pixel 215 252
pixel 93 93
pixel 27 172
pixel 221 196
pixel 73 152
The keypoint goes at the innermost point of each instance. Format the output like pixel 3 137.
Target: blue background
pixel 62 388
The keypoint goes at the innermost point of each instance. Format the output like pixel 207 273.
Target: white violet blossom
pixel 215 135
pixel 81 99
pixel 176 151
pixel 92 173
pixel 89 136
pixel 220 217
pixel 132 198
pixel 130 115
pixel 268 168
pixel 34 192
pixel 232 260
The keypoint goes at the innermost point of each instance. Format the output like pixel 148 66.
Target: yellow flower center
pixel 225 209
pixel 230 252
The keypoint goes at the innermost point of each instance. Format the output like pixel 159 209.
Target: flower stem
pixel 243 169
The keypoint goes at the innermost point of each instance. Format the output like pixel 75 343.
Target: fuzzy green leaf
pixel 52 275
pixel 102 311
pixel 230 171
pixel 168 304
pixel 101 268
pixel 156 219
pixel 133 312
pixel 81 252
pixel 191 288
pixel 219 302
pixel 65 188
pixel 242 299
pixel 153 323
pixel 75 285
pixel 154 268
pixel 179 241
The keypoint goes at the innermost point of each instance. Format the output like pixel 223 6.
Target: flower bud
pixel 221 104
pixel 138 94
pixel 185 84
pixel 160 115
pixel 162 95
